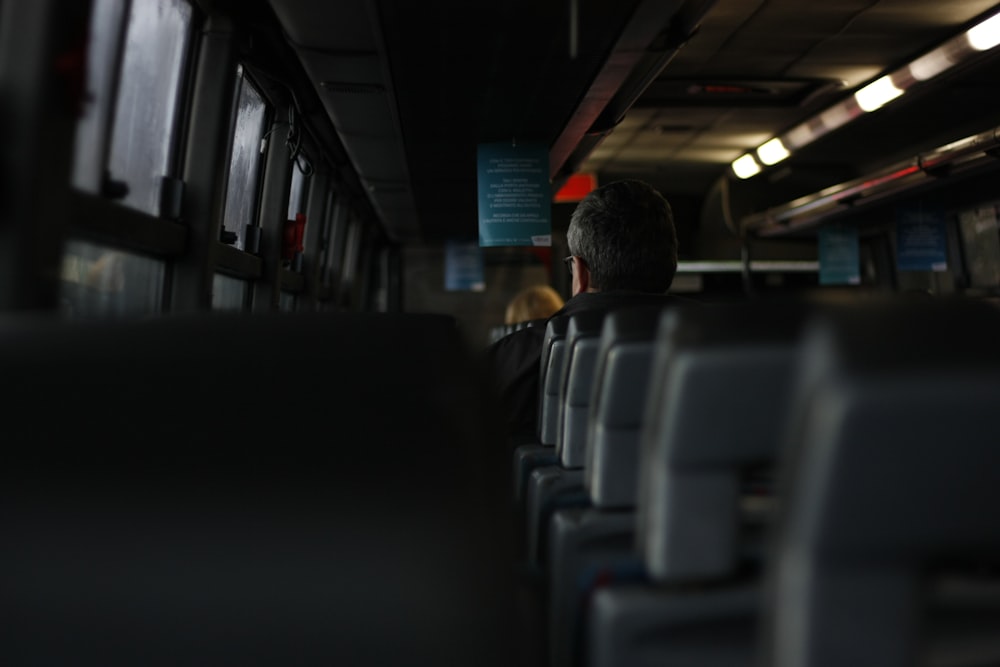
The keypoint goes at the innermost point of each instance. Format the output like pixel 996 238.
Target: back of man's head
pixel 624 232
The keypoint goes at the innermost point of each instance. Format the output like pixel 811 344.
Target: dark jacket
pixel 515 360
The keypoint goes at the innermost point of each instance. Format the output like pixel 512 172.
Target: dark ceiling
pixel 412 88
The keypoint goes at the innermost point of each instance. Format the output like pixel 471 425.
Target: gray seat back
pixel 550 379
pixel 582 340
pixel 620 383
pixel 889 480
pixel 722 381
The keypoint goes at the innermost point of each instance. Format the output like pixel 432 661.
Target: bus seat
pixel 248 489
pixel 553 362
pixel 497 332
pixel 562 483
pixel 579 537
pixel 713 422
pixel 689 626
pixel 527 457
pixel 623 375
pixel 583 337
pixel 714 411
pixel 886 550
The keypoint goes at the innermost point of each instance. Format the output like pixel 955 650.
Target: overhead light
pixel 877 93
pixel 986 35
pixel 982 37
pixel 931 64
pixel 803 133
pixel 772 152
pixel 745 166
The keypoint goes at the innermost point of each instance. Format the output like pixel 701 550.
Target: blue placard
pixel 515 196
pixel 463 267
pixel 921 240
pixel 839 258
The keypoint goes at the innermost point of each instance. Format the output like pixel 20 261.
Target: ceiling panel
pixel 446 75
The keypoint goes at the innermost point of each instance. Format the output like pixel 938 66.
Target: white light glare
pixel 875 94
pixel 745 166
pixel 930 64
pixel 802 134
pixel 986 35
pixel 772 152
pixel 838 115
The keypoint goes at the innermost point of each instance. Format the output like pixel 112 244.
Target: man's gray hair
pixel 624 232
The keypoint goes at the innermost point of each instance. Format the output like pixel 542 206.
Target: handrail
pixel 810 210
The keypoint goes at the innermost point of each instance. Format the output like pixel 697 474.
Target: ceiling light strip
pixel 983 36
pixel 902 174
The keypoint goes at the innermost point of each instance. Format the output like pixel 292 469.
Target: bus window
pixel 102 63
pixel 352 260
pixel 296 217
pixel 229 293
pixel 101 281
pixel 980 242
pixel 144 134
pixel 286 302
pixel 244 164
pixel 297 190
pixel 326 237
pixel 338 241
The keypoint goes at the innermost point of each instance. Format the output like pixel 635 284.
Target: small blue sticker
pixel 463 267
pixel 921 240
pixel 839 258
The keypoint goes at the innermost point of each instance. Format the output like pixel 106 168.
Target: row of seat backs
pixel 528 456
pixel 608 478
pixel 889 480
pixel 575 353
pixel 735 356
pixel 617 370
pixel 572 354
pixel 568 393
pixel 692 392
pixel 883 423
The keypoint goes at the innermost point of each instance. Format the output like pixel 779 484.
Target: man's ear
pixel 581 276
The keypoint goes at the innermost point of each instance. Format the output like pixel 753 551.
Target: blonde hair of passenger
pixel 533 303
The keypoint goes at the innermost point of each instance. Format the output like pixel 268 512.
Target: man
pixel 623 252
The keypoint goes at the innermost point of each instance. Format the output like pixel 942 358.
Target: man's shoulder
pixel 526 338
pixel 615 300
pixel 515 358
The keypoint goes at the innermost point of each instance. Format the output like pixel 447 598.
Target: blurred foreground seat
pixel 580 538
pixel 561 484
pixel 886 548
pixel 251 489
pixel 529 456
pixel 710 434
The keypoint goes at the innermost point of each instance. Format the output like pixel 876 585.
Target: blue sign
pixel 839 258
pixel 921 240
pixel 463 267
pixel 515 196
